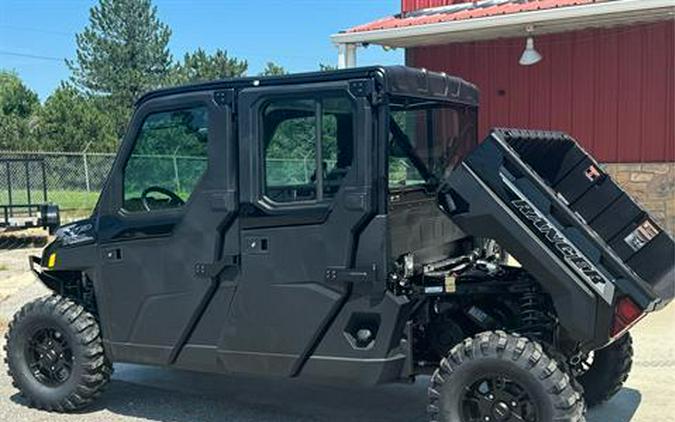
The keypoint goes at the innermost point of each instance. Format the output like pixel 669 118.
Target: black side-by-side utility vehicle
pixel 347 226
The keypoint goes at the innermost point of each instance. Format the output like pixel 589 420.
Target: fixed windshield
pixel 428 139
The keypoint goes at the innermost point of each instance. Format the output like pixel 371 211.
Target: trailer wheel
pixel 55 355
pixel 606 371
pixel 501 377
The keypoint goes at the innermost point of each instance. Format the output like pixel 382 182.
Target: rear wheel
pixel 604 372
pixel 55 355
pixel 498 377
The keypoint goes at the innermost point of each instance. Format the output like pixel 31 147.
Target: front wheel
pixel 55 355
pixel 499 377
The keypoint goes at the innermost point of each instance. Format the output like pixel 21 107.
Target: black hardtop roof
pixel 396 80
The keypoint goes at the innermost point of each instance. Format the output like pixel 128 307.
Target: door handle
pixel 256 245
pixel 113 254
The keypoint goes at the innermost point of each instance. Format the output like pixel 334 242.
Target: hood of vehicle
pixel 78 233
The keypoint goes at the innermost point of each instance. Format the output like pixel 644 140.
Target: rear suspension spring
pixel 535 320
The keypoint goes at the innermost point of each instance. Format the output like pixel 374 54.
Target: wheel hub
pixel 497 398
pixel 501 411
pixel 49 357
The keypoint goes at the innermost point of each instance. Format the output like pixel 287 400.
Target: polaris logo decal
pixel 565 249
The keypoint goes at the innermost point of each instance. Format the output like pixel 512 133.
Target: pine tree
pixel 201 66
pixel 273 69
pixel 327 67
pixel 71 121
pixel 15 98
pixel 18 107
pixel 122 53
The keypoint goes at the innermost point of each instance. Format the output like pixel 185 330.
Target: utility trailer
pixel 23 188
pixel 340 226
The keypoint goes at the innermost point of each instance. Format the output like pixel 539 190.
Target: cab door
pixel 306 191
pixel 167 226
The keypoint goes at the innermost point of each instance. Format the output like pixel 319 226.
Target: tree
pixel 18 105
pixel 15 98
pixel 326 67
pixel 16 133
pixel 72 121
pixel 272 69
pixel 122 53
pixel 201 66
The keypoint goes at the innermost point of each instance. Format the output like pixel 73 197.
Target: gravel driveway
pixel 156 394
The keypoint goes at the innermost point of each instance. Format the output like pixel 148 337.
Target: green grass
pixel 73 200
pixel 66 199
pixel 72 203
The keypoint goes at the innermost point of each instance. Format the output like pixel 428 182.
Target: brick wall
pixel 653 185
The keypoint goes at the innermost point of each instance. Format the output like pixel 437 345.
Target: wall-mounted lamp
pixel 530 55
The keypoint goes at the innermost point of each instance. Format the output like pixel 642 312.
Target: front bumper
pixel 45 276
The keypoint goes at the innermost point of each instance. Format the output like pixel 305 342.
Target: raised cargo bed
pixel 542 188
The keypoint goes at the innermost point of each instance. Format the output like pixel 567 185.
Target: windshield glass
pixel 428 139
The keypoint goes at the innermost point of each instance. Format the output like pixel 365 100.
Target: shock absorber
pixel 535 321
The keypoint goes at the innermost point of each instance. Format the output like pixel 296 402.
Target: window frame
pixel 159 105
pixel 135 144
pixel 394 100
pixel 320 201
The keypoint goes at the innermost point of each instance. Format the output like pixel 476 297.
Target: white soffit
pixel 562 19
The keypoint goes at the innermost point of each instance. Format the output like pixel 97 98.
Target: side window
pixel 168 159
pixel 402 172
pixel 308 147
pixel 428 139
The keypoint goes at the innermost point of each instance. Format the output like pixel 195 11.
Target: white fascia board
pixel 609 13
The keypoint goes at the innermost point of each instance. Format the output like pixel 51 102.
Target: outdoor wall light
pixel 530 55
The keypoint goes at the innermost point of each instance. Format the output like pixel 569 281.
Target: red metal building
pixel 607 73
pixel 604 72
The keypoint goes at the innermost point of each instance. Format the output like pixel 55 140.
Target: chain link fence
pixel 70 180
pixel 73 181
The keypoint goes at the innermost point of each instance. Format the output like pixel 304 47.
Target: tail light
pixel 626 314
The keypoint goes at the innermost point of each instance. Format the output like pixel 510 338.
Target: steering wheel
pixel 174 199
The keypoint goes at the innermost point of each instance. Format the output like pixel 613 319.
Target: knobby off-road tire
pixel 608 371
pixel 55 355
pixel 496 376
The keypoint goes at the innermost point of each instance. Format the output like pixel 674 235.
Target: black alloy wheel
pixel 497 397
pixel 49 356
pixel 502 377
pixel 54 354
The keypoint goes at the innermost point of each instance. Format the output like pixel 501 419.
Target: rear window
pixel 428 139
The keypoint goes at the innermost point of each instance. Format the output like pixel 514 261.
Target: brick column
pixel 652 185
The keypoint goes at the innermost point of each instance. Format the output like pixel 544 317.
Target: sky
pixel 37 35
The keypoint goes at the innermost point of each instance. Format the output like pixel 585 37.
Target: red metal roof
pixel 429 16
pixel 410 5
